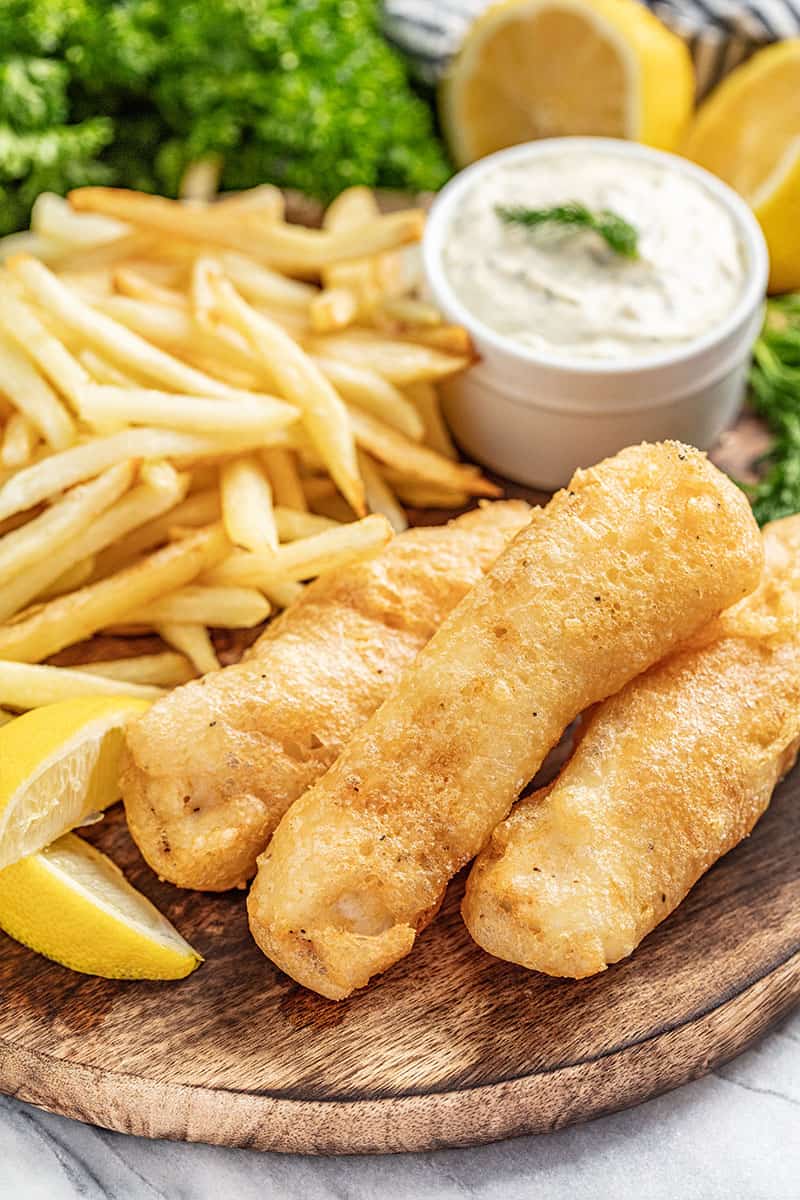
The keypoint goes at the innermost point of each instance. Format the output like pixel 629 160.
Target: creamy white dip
pixel 564 291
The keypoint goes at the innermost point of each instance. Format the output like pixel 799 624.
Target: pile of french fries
pixel 202 407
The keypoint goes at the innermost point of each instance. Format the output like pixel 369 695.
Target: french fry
pixel 265 199
pixel 333 308
pixel 248 415
pixel 450 339
pixel 25 338
pixel 398 361
pixel 102 371
pixel 287 489
pixel 194 642
pixel 6 716
pixel 74 577
pixel 53 218
pixel 27 242
pixel 380 497
pixel 90 285
pixel 302 383
pixel 166 273
pixel 435 432
pixel 261 285
pixel 303 559
pixel 283 592
pixel 60 471
pixel 21 518
pixel 107 335
pixel 183 333
pixel 201 508
pixel 130 283
pixel 166 669
pixel 200 180
pixel 422 495
pixel 19 441
pixel 369 390
pixel 68 516
pixel 292 525
pixel 359 276
pixel 201 293
pixel 351 208
pixel 405 314
pixel 247 510
pixel 289 248
pixel 141 504
pixel 27 685
pixel 105 256
pixel 175 330
pixel 391 448
pixel 230 607
pixel 225 371
pixel 69 619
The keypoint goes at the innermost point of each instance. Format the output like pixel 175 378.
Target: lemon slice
pixel 533 69
pixel 748 133
pixel 59 764
pixel 72 904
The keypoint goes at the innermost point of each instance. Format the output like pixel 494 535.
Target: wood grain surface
pixel 450 1047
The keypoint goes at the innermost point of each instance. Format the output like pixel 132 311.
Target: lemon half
pixel 532 69
pixel 72 904
pixel 58 764
pixel 748 133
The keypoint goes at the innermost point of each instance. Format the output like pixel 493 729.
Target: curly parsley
pixel 775 396
pixel 302 93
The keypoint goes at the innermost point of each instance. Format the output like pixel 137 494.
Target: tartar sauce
pixel 564 291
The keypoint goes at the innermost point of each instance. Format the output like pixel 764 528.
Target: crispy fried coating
pixel 669 775
pixel 619 568
pixel 211 768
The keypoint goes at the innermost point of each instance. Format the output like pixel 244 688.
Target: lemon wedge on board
pixel 59 764
pixel 532 69
pixel 748 133
pixel 72 904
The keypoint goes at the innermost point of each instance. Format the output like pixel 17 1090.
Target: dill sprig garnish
pixel 618 234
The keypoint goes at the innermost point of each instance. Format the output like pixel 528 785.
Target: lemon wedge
pixel 537 68
pixel 72 904
pixel 748 133
pixel 58 764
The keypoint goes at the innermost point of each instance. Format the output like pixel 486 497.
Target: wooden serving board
pixel 450 1047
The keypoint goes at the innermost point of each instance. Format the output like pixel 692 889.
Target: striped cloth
pixel 720 34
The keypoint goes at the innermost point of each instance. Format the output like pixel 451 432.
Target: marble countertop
pixel 734 1135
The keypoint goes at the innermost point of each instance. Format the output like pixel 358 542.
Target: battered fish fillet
pixel 620 568
pixel 670 774
pixel 211 768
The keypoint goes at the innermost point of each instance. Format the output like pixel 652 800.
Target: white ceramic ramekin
pixel 533 417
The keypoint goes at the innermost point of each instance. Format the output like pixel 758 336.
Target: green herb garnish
pixel 775 396
pixel 621 237
pixel 308 95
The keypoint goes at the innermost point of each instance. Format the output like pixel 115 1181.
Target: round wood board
pixel 449 1048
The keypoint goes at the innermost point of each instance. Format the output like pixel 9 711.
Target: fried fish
pixel 211 768
pixel 668 776
pixel 619 569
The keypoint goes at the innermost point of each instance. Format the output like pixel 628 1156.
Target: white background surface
pixel 734 1135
